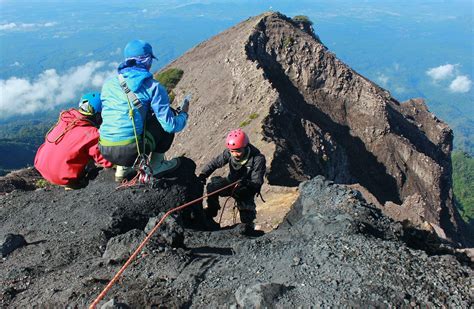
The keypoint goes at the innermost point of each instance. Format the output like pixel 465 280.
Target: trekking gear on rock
pixel 145 173
pixel 236 139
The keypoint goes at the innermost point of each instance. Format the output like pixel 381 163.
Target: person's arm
pixel 255 179
pixel 94 152
pixel 215 163
pixel 160 104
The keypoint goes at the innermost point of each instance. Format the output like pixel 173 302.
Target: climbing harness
pixel 147 238
pixel 144 172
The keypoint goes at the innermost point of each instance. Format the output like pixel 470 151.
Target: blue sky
pixel 52 51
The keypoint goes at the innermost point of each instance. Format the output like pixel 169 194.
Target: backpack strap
pixel 132 97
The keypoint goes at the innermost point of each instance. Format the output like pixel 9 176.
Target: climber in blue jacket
pixel 125 122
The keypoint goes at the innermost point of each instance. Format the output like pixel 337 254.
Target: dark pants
pixel 156 140
pixel 245 198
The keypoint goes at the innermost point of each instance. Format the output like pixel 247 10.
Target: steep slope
pixel 312 115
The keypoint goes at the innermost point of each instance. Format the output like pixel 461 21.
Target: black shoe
pixel 212 225
pixel 246 229
pixel 211 212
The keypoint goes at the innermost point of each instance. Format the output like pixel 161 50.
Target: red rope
pixel 144 242
pixel 130 183
pixel 225 203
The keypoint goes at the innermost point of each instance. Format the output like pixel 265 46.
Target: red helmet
pixel 236 139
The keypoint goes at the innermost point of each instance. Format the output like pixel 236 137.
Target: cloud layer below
pixel 50 89
pixel 15 26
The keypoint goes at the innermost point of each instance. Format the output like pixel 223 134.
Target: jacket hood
pixel 134 72
pixel 73 115
pixel 67 120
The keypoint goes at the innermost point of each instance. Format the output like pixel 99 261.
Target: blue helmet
pixel 137 48
pixel 90 103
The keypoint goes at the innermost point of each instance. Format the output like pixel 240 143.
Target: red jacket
pixel 68 148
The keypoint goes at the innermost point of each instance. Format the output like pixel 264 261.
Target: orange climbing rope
pixel 225 203
pixel 144 242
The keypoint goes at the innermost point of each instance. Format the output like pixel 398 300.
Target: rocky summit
pixel 359 158
pixel 311 114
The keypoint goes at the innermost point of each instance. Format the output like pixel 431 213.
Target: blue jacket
pixel 117 127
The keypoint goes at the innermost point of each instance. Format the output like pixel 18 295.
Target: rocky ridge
pixel 332 249
pixel 311 114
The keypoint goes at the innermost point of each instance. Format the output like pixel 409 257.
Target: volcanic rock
pixel 333 249
pixel 311 114
pixel 11 242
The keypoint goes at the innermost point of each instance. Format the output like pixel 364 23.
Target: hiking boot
pixel 212 225
pixel 160 166
pixel 122 172
pixel 212 206
pixel 247 229
pixel 211 212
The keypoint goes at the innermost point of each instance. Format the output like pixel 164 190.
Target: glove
pixel 184 106
pixel 202 178
pixel 243 182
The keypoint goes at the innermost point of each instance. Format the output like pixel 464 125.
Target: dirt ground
pixel 278 201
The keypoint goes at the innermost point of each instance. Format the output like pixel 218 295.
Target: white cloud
pixel 116 52
pixel 25 26
pixel 7 26
pixel 441 72
pixel 50 89
pixel 461 83
pixel 383 79
pixel 16 64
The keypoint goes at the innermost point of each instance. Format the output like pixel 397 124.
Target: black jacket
pixel 251 172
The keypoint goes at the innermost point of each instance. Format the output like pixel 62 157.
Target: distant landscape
pixel 52 51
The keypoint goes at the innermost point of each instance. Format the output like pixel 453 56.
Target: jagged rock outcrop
pixel 25 179
pixel 311 114
pixel 332 250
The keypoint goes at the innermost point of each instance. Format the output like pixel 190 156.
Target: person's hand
pixel 184 106
pixel 202 179
pixel 243 183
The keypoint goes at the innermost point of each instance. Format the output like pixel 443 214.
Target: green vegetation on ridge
pixel 463 184
pixel 20 140
pixel 169 79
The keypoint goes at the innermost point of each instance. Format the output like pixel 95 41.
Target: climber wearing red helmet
pixel 247 164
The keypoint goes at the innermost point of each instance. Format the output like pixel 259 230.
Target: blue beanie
pixel 137 48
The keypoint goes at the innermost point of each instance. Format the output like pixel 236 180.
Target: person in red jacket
pixel 72 145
